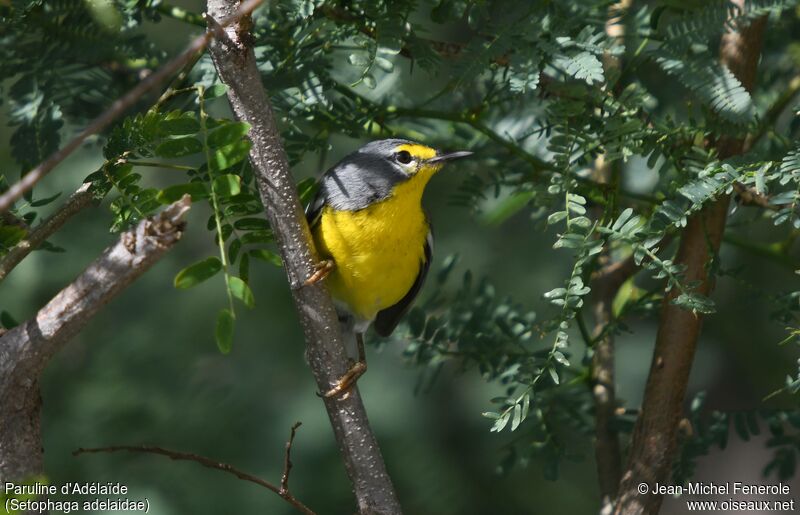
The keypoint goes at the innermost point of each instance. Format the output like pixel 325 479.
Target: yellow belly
pixel 377 252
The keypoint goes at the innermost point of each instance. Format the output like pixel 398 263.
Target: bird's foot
pixel 321 271
pixel 347 381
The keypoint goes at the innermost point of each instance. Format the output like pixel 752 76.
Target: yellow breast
pixel 377 250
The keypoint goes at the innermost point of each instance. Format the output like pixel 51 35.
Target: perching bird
pixel 373 236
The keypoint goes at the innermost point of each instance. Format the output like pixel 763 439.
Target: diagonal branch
pixel 236 65
pixel 282 491
pixel 26 349
pixel 116 110
pixel 79 200
pixel 654 436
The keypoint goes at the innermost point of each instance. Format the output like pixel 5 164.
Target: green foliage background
pixel 499 332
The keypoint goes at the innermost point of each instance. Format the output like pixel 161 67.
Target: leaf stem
pixel 215 200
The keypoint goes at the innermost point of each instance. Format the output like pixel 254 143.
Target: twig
pixel 287 462
pixel 750 197
pixel 235 62
pixel 26 349
pixel 119 106
pixel 79 200
pixel 654 436
pixel 282 491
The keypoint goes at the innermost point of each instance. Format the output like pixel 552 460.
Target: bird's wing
pixel 388 318
pixel 314 208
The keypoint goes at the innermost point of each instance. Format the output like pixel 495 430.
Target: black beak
pixel 449 156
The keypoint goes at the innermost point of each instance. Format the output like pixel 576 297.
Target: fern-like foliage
pixel 565 120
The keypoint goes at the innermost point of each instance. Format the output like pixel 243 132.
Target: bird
pixel 374 238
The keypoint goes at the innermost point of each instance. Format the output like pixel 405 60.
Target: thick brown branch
pixel 282 491
pixel 26 349
pixel 121 105
pixel 79 200
pixel 236 65
pixel 654 437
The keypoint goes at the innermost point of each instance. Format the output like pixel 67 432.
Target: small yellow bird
pixel 374 237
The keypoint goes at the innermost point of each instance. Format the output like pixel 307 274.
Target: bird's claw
pixel 321 271
pixel 346 382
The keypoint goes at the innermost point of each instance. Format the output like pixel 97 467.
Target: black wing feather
pixel 388 318
pixel 314 208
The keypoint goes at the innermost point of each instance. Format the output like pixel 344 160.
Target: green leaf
pixel 179 126
pixel 695 302
pixel 198 272
pixel 258 237
pixel 384 64
pixel 369 81
pixel 556 217
pixel 251 224
pixel 241 291
pixel 501 422
pixel 229 155
pixel 358 59
pixel 179 147
pixel 712 82
pixel 583 66
pixel 197 190
pixel 227 134
pixel 227 185
pixel 44 201
pixel 215 91
pixel 517 417
pixel 224 331
pixel 244 267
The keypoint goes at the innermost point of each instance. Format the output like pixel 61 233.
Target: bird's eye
pixel 403 157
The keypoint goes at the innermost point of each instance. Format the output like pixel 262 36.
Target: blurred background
pixel 147 371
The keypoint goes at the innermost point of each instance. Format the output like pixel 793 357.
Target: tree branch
pixel 26 349
pixel 79 200
pixel 608 455
pixel 282 491
pixel 236 65
pixel 653 445
pixel 116 110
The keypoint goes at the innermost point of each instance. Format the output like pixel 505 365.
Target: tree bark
pixel 235 62
pixel 654 437
pixel 26 349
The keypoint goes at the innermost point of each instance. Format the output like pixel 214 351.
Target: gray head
pixel 370 174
